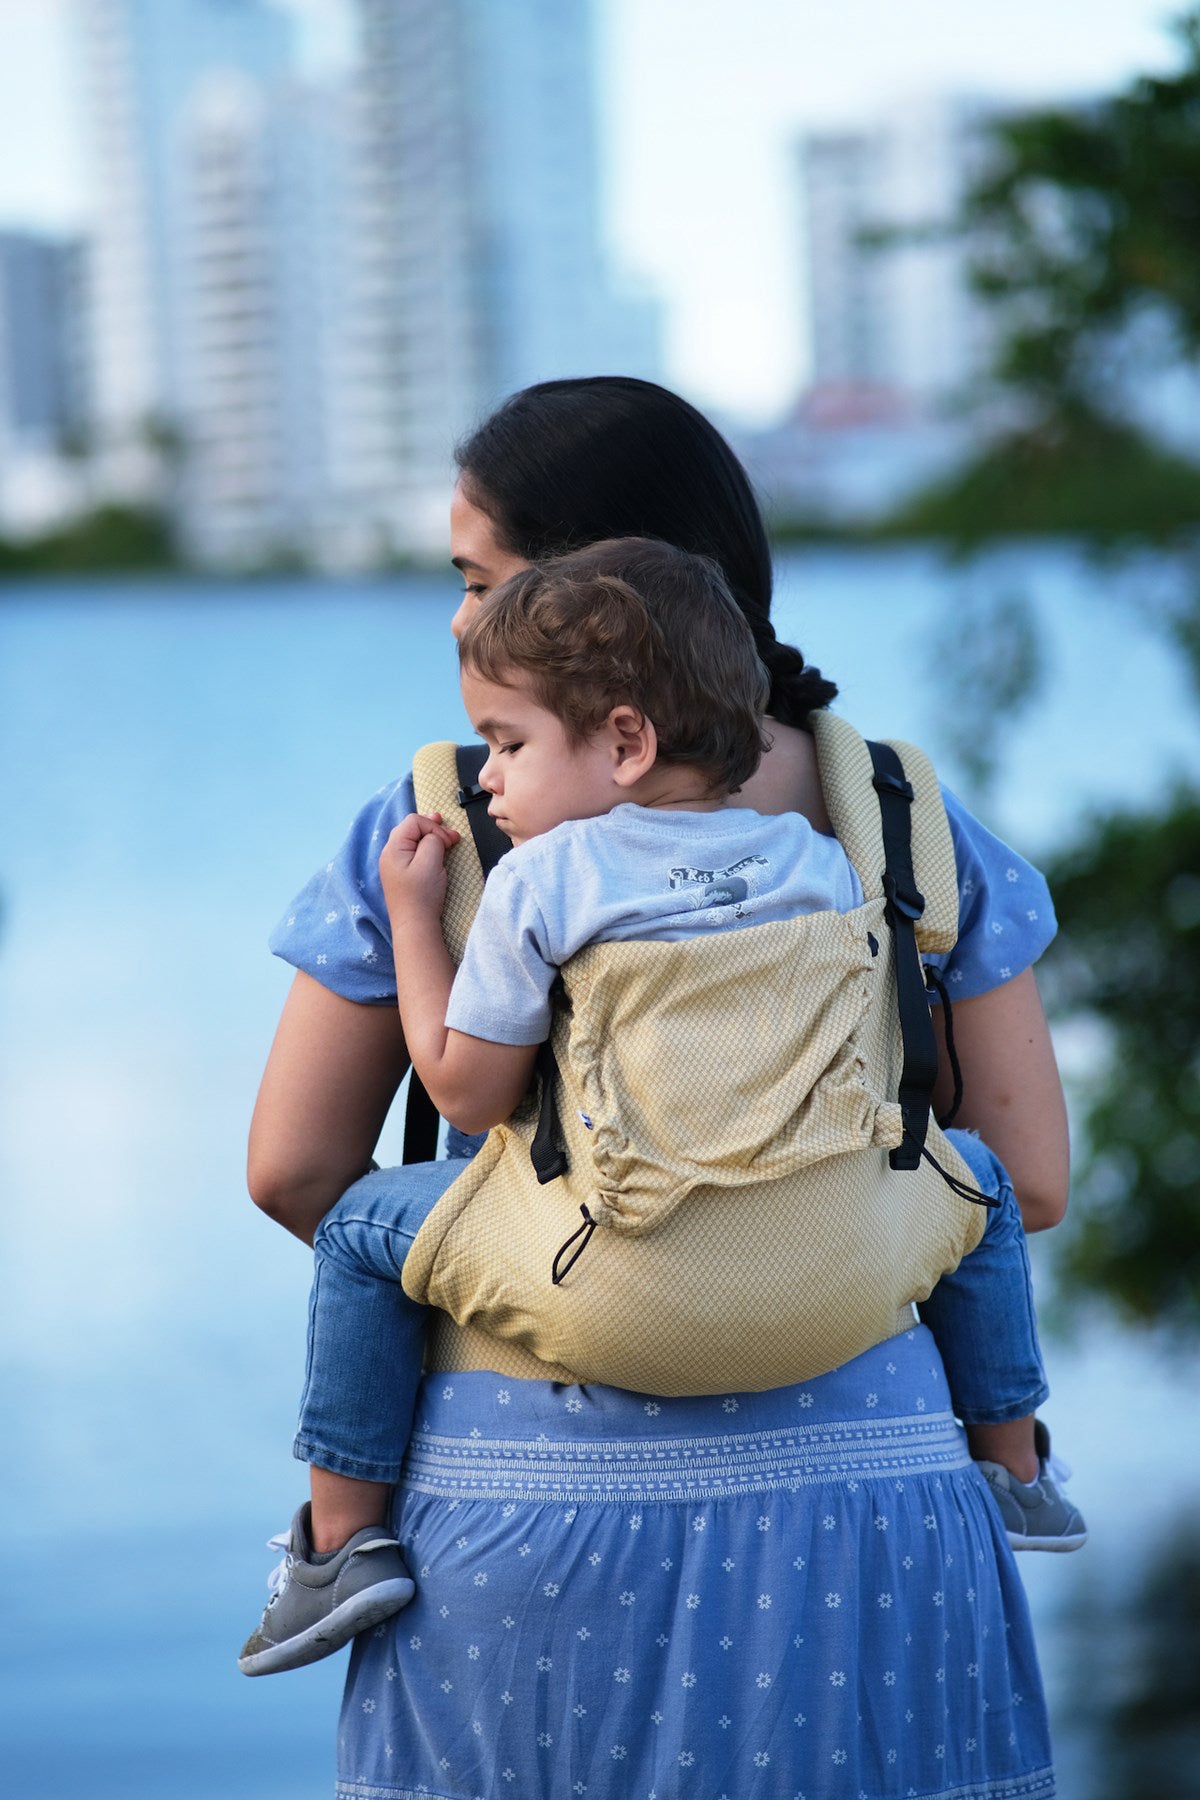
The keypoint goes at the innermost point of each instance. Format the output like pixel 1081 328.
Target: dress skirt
pixel 796 1595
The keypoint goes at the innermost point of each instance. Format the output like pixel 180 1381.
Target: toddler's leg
pixel 343 1570
pixel 981 1315
pixel 365 1336
pixel 982 1319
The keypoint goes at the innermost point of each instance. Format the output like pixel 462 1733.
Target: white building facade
pixel 895 317
pixel 303 297
pixel 43 381
pixel 896 335
pixel 482 265
pixel 217 251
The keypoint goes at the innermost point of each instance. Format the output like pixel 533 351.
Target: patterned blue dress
pixel 798 1595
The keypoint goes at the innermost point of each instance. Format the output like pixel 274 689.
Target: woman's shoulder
pixel 337 928
pixel 1005 915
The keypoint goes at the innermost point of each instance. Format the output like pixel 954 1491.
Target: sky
pixel 702 104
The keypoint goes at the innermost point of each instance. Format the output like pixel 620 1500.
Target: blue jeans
pixel 366 1337
pixel 981 1316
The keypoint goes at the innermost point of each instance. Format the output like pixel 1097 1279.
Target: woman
pixel 801 1591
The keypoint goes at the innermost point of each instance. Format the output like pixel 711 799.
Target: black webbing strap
pixel 905 904
pixel 546 1154
pixel 421 1122
pixel 420 1115
pixel 490 841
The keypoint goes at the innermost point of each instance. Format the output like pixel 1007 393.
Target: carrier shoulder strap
pixel 848 784
pixel 904 906
pixel 446 780
pixel 886 807
pixel 490 841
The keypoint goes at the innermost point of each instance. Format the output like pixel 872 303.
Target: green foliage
pixel 1082 475
pixel 1155 1730
pixel 996 673
pixel 1127 1638
pixel 1128 900
pixel 1083 231
pixel 1084 227
pixel 1085 219
pixel 111 539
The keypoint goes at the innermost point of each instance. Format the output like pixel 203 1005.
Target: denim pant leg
pixel 366 1337
pixel 981 1316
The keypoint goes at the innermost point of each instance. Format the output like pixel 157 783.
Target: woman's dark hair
pixel 567 463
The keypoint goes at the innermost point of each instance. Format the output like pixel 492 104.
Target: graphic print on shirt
pixel 719 887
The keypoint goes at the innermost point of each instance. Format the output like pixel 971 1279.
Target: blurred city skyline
pixel 698 123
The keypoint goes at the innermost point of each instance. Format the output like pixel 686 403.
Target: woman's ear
pixel 633 742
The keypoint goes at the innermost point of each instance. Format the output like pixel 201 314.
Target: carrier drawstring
pixel 584 1231
pixel 933 980
pixel 963 1189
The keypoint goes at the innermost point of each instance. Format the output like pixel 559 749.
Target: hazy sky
pixel 702 102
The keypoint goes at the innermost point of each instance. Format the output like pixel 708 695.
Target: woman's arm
pixel 1012 1093
pixel 331 1076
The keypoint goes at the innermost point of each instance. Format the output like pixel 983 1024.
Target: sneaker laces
pixel 279 1574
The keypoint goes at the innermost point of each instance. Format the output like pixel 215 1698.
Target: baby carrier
pixel 742 1124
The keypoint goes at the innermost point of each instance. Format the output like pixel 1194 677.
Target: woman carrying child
pixel 830 1606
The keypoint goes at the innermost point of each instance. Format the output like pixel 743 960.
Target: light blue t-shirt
pixel 635 872
pixel 337 928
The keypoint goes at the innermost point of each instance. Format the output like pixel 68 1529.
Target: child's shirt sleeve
pixel 337 927
pixel 1005 913
pixel 502 989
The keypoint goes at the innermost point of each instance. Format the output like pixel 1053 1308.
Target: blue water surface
pixel 175 758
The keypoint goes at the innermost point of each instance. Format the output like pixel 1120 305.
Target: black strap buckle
pixel 894 784
pixel 903 899
pixel 467 796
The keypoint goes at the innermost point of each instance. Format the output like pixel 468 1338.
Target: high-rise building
pixel 894 319
pixel 260 244
pixel 43 378
pixel 303 298
pixel 194 384
pixel 482 265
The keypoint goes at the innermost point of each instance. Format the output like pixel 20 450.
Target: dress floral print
pixel 807 1596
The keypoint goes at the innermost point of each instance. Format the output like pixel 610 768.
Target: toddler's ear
pixel 634 744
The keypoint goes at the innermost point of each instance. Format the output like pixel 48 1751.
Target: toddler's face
pixel 537 775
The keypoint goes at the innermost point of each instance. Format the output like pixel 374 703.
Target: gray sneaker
pixel 1036 1514
pixel 315 1608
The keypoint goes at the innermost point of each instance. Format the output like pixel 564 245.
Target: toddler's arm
pixel 473 1083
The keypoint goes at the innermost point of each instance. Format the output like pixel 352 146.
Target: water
pixel 174 760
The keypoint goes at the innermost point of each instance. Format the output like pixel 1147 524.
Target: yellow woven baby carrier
pixel 733 1120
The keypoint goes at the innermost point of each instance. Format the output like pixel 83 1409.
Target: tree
pixel 1128 897
pixel 1084 229
pixel 1084 236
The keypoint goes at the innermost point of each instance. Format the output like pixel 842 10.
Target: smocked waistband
pixel 682 1468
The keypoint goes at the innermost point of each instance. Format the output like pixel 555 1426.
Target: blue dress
pixel 804 1594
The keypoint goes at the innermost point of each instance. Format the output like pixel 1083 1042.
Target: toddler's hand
pixel 412 866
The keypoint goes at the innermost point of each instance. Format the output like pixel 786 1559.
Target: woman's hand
pixel 412 866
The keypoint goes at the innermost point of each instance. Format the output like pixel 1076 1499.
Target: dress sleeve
pixel 337 929
pixel 1005 913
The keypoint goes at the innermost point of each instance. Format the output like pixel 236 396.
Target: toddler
pixel 620 696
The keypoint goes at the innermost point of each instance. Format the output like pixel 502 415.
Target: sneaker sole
pixel 1047 1543
pixel 357 1614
